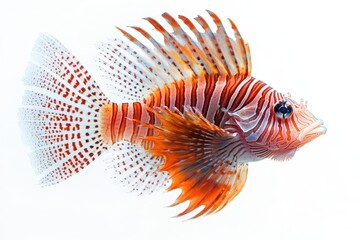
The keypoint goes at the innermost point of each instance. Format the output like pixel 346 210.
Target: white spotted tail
pixel 60 112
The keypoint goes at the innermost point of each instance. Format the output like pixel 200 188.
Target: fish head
pixel 278 127
pixel 304 126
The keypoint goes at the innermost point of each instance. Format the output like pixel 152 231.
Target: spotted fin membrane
pixel 60 113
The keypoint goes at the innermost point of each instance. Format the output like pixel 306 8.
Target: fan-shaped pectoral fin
pixel 197 156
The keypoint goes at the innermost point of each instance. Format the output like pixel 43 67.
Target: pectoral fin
pixel 197 157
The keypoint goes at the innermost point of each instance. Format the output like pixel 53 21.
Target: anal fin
pixel 199 157
pixel 135 169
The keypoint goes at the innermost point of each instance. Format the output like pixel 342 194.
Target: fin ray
pixel 191 147
pixel 178 58
pixel 135 169
pixel 60 112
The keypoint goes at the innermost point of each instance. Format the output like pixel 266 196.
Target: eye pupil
pixel 283 110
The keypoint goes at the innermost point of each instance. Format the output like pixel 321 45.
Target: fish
pixel 178 112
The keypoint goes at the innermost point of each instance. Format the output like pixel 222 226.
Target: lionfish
pixel 186 113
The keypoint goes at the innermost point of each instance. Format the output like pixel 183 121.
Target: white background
pixel 309 48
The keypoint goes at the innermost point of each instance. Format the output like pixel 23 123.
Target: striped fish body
pixel 122 121
pixel 185 114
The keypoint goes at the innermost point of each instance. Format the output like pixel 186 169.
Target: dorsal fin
pixel 135 69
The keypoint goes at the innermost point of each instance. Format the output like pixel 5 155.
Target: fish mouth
pixel 312 131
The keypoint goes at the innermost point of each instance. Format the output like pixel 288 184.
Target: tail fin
pixel 61 110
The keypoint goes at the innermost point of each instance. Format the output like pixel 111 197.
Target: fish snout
pixel 312 131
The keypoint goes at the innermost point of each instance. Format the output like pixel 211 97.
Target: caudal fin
pixel 60 113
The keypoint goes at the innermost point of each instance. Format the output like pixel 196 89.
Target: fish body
pixel 186 113
pixel 214 101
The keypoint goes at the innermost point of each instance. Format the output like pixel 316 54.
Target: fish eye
pixel 283 109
